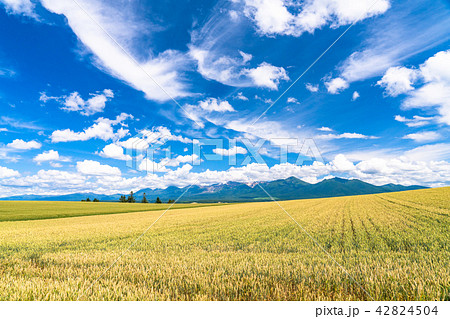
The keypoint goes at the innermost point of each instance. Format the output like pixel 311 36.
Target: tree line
pixel 95 200
pixel 132 199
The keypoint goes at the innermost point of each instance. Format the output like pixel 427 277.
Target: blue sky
pixel 83 83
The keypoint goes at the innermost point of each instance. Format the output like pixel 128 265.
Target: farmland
pixel 27 210
pixel 395 246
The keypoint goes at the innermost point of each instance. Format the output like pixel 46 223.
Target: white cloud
pixel 233 71
pixel 437 68
pixel 94 168
pixel 311 87
pixel 434 94
pixel 423 136
pixel 436 91
pixel 212 104
pixel 398 80
pixel 115 151
pixel 416 121
pixel 125 24
pixel 18 144
pixel 230 152
pixel 7 172
pixel 267 75
pixel 336 85
pixel 161 134
pixel 50 155
pixel 102 129
pixel 156 136
pixel 342 164
pixel 344 135
pixel 405 169
pixel 75 103
pixel 355 96
pixel 179 160
pixel 325 129
pixel 135 143
pixel 18 123
pixel 414 27
pixel 147 165
pixel 293 100
pixel 241 96
pixel 277 17
pixel 430 152
pixel 207 110
pixel 20 7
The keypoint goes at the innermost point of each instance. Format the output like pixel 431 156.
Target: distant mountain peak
pixel 281 189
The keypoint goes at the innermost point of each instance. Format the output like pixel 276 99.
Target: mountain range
pixel 283 189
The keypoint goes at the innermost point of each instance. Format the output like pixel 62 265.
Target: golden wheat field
pixel 395 246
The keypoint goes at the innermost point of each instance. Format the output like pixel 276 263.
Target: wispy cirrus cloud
pixel 109 31
pixel 20 124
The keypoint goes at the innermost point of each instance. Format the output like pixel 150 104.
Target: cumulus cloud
pixel 50 155
pixel 407 169
pixel 277 17
pixel 336 85
pixel 7 172
pixel 241 96
pixel 267 75
pixel 432 90
pixel 234 71
pixel 75 103
pixel 355 96
pixel 398 80
pixel 293 100
pixel 19 144
pixel 150 166
pixel 311 87
pixel 180 159
pixel 436 90
pixel 115 151
pixel 212 104
pixel 423 136
pixel 102 129
pixel 88 167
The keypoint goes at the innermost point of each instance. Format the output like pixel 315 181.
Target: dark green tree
pixel 131 198
pixel 95 200
pixel 158 201
pixel 88 199
pixel 144 199
pixel 123 199
pixel 171 201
